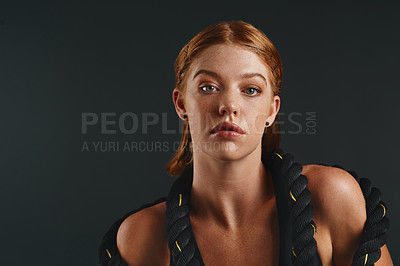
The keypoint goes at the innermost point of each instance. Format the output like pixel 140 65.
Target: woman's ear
pixel 177 97
pixel 274 109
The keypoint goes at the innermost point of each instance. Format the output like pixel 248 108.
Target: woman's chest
pixel 261 249
pixel 256 243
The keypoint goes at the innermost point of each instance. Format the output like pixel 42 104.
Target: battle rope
pixel 304 250
pixel 181 242
pixel 184 250
pixel 376 226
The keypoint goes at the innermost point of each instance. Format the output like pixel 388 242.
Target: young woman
pixel 239 199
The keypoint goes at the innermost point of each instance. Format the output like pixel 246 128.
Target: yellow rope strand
pixel 180 199
pixel 314 229
pixel 279 155
pixel 290 191
pixel 384 209
pixel 176 242
pixel 366 258
pixel 108 252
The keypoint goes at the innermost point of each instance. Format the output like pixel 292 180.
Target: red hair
pixel 233 32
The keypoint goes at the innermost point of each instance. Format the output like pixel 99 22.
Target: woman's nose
pixel 229 104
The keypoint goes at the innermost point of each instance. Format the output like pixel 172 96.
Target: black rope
pixel 184 250
pixel 304 250
pixel 376 227
pixel 181 242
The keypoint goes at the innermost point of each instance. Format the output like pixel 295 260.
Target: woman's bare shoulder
pixel 339 209
pixel 141 238
pixel 336 197
pixel 339 205
pixel 332 186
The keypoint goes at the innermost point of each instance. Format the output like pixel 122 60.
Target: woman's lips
pixel 227 126
pixel 227 134
pixel 227 130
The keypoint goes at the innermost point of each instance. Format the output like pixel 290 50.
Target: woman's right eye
pixel 208 88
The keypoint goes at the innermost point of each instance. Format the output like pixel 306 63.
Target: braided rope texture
pixel 304 249
pixel 183 246
pixel 377 225
pixel 181 242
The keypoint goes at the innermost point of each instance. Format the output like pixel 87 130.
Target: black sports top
pixel 109 254
pixel 296 243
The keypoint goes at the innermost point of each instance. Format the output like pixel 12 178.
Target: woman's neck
pixel 229 193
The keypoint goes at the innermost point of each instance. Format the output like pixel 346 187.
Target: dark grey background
pixel 60 61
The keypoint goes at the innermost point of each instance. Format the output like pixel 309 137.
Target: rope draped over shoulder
pixel 377 225
pixel 184 249
pixel 181 241
pixel 304 249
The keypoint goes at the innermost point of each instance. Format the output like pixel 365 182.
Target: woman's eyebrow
pixel 206 72
pixel 245 75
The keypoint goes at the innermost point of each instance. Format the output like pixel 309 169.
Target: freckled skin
pixel 229 93
pixel 233 209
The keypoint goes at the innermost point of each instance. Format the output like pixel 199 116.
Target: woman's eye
pixel 252 91
pixel 208 88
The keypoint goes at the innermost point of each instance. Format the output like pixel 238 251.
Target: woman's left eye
pixel 252 91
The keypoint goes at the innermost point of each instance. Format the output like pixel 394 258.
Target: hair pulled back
pixel 233 32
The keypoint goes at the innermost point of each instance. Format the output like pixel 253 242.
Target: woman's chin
pixel 227 153
pixel 224 150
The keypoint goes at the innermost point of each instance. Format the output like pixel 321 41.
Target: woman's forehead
pixel 228 60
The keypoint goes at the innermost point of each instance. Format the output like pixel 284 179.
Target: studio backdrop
pixel 88 122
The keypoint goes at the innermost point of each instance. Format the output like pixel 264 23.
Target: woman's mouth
pixel 227 130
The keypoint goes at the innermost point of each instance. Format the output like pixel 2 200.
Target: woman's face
pixel 227 83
